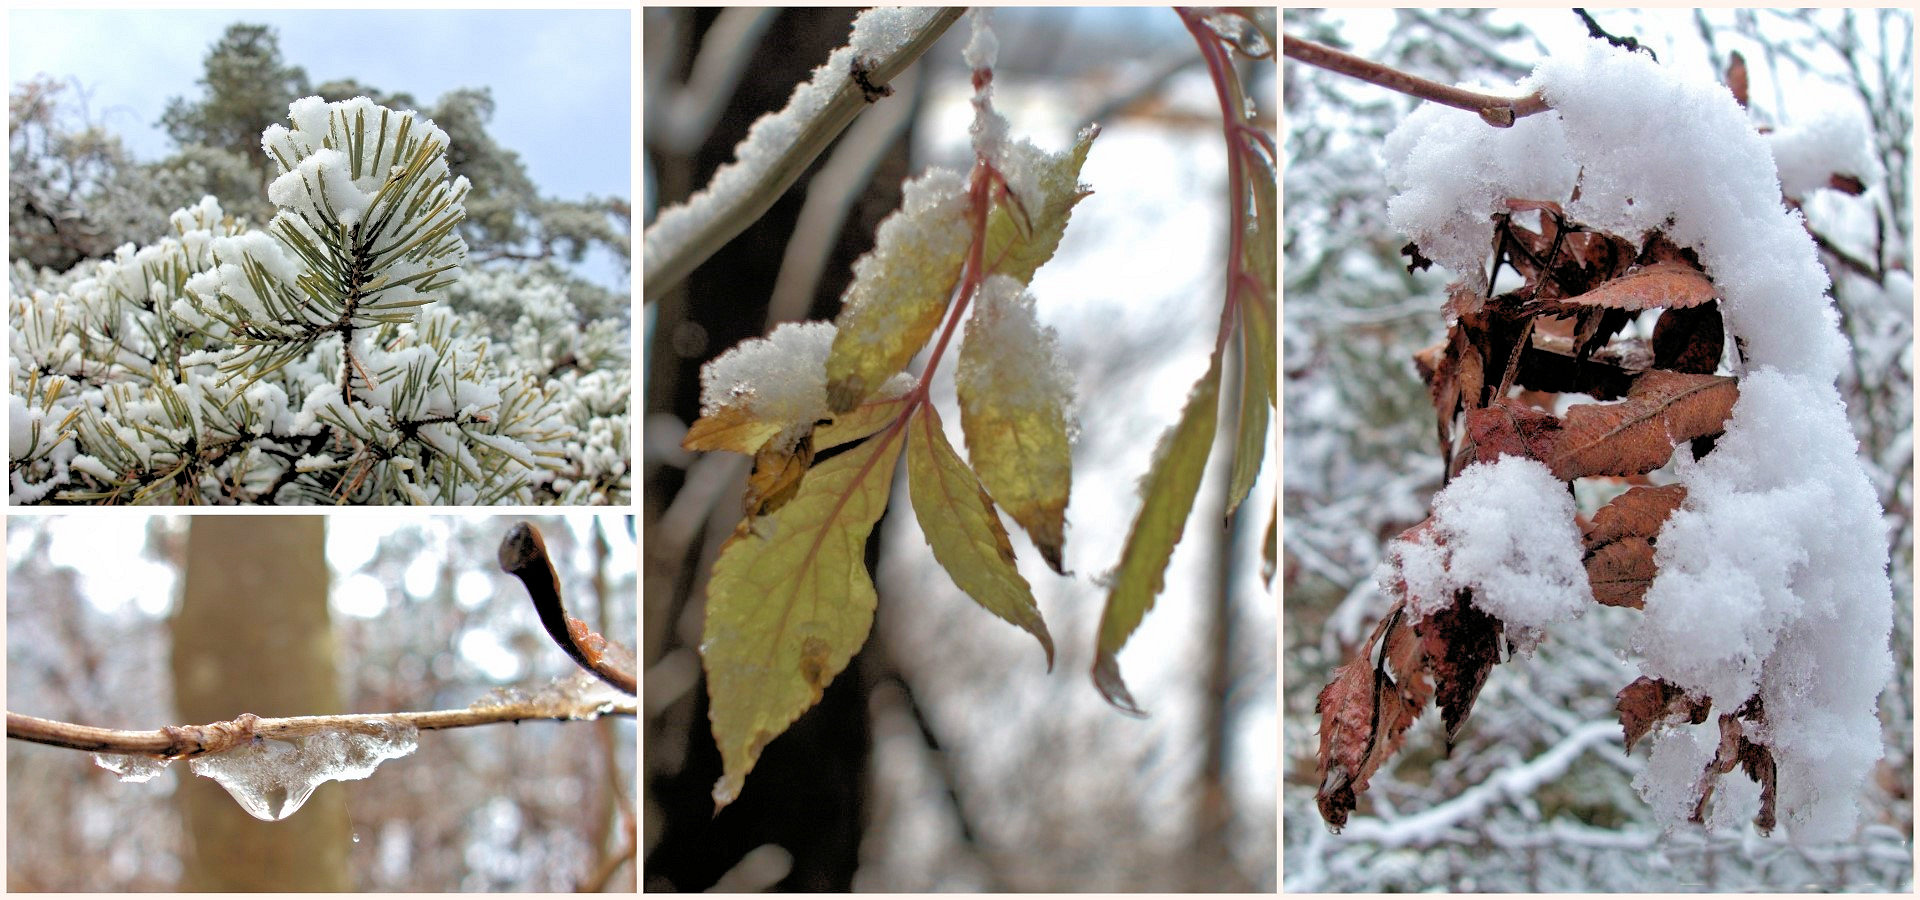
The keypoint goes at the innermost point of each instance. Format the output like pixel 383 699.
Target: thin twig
pixel 1500 112
pixel 523 554
pixel 176 741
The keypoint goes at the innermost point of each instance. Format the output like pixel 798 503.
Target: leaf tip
pixel 1106 677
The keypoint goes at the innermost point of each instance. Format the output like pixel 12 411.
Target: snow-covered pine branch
pixel 307 361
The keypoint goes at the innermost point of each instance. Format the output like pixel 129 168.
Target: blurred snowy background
pixel 421 617
pixel 1536 797
pixel 946 757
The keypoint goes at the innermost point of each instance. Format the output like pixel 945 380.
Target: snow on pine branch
pixel 1773 574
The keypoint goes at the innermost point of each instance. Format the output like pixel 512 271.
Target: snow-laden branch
pixel 1429 826
pixel 780 146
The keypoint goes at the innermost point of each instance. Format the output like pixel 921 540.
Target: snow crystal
pixel 1772 576
pixel 1834 141
pixel 1505 530
pixel 272 777
pixel 883 30
pixel 131 767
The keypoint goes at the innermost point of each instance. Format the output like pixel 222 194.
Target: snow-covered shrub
pixel 309 360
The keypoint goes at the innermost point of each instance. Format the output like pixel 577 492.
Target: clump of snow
pixel 271 778
pixel 927 235
pixel 1835 140
pixel 780 378
pixel 877 33
pixel 1505 531
pixel 1772 576
pixel 1012 358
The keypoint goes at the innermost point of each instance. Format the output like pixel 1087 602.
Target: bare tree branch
pixel 177 741
pixel 1499 112
pixel 523 554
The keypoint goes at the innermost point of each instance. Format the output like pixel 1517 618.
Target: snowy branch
pixel 1499 112
pixel 777 150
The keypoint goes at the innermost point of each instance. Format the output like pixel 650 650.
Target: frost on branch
pixel 1763 571
pixel 308 361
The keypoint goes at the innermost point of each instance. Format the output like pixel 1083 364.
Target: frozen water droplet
pixel 356 837
pixel 273 777
pixel 130 768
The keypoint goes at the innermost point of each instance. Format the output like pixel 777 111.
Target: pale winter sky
pixel 561 80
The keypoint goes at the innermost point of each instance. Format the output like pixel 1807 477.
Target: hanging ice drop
pixel 272 777
pixel 130 768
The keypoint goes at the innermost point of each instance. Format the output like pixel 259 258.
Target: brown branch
pixel 177 741
pixel 523 554
pixel 1499 112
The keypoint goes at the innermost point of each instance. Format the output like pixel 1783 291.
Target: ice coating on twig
pixel 580 695
pixel 130 767
pixel 272 777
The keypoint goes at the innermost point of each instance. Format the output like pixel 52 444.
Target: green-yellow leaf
pixel 1018 245
pixel 734 428
pixel 1259 374
pixel 1014 393
pixel 789 603
pixel 1167 498
pixel 900 289
pixel 967 538
pixel 870 416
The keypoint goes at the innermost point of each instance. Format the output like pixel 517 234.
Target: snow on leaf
pixel 1637 435
pixel 1167 497
pixel 899 289
pixel 789 603
pixel 272 777
pixel 1019 241
pixel 1014 397
pixel 764 390
pixel 959 522
pixel 1650 701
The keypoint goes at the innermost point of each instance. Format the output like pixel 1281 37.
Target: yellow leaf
pixel 1018 244
pixel 957 517
pixel 1167 498
pixel 1013 409
pixel 899 290
pixel 789 603
pixel 734 428
pixel 871 416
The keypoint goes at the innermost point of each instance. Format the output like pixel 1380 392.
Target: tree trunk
pixel 252 635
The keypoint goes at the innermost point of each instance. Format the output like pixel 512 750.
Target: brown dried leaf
pixel 1663 284
pixel 1621 572
pixel 1639 512
pixel 777 472
pixel 1637 435
pixel 1757 762
pixel 1689 340
pixel 1648 702
pixel 1512 428
pixel 1737 78
pixel 1364 714
pixel 1846 184
pixel 1461 645
pixel 1544 369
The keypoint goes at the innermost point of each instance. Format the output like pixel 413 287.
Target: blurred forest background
pixel 1362 464
pixel 946 757
pixel 136 623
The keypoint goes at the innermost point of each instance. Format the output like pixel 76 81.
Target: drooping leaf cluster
pixel 826 411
